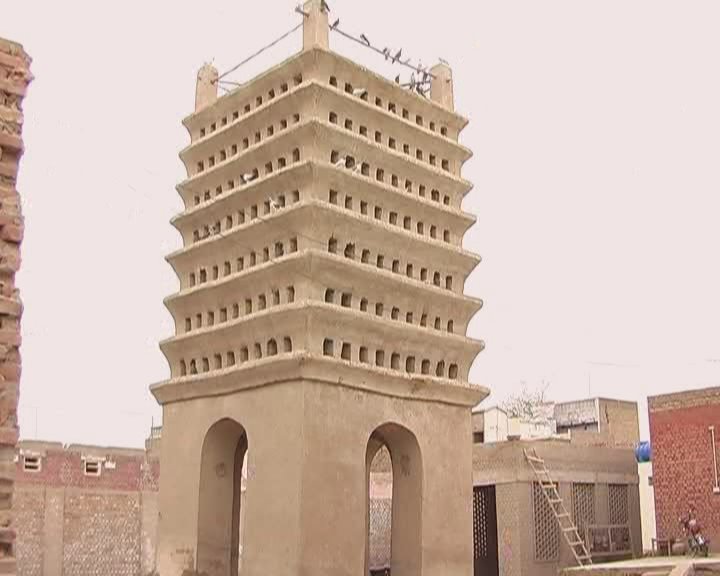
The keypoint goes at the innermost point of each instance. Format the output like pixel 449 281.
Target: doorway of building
pixel 485 539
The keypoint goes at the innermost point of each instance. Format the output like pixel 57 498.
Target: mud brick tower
pixel 14 79
pixel 320 317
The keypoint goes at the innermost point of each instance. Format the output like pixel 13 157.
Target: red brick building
pixel 85 510
pixel 685 438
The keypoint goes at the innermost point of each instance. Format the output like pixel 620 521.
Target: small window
pixel 287 345
pixel 346 351
pixel 333 197
pixel 379 309
pixel 395 361
pixel 391 143
pixel 346 300
pixel 379 358
pixel 395 313
pixel 290 294
pixel 363 305
pixel 348 203
pixel 405 113
pixel 446 165
pixel 396 266
pixel 446 200
pixel 328 347
pixel 443 131
pixel 380 261
pixel 363 207
pixel 410 364
pixel 31 463
pixel 348 124
pixel 92 468
pixel 446 235
pixel 378 136
pixel 330 296
pixel 333 81
pixel 230 360
pixel 363 131
pixel 378 213
pixel 333 118
pixel 363 355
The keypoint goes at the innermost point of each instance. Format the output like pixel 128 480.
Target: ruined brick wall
pixel 683 464
pixel 14 79
pixel 70 523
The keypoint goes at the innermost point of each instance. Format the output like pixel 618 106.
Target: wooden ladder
pixel 565 521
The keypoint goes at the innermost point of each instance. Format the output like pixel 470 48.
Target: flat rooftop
pixel 657 566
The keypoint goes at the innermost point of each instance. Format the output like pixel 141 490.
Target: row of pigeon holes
pixel 228 313
pixel 346 301
pixel 272 204
pixel 230 359
pixel 363 168
pixel 391 142
pixel 245 144
pixel 409 270
pixel 363 357
pixel 393 217
pixel 258 101
pixel 249 260
pixel 403 113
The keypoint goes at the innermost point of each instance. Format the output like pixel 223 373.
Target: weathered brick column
pixel 14 79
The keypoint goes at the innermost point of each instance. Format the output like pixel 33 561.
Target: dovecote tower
pixel 320 317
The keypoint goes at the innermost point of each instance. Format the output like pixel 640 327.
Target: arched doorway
pixel 393 465
pixel 219 512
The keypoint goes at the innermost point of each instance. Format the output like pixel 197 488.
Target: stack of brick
pixel 14 79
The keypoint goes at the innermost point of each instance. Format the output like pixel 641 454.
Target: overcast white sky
pixel 596 133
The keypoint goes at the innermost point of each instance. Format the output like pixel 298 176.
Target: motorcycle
pixel 698 545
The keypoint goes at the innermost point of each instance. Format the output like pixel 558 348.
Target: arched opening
pixel 221 499
pixel 394 502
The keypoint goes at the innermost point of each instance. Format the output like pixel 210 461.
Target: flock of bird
pixel 419 83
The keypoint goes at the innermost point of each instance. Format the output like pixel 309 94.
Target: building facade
pixel 14 79
pixel 684 444
pixel 320 319
pixel 589 454
pixel 85 510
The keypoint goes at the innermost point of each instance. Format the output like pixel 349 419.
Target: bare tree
pixel 528 404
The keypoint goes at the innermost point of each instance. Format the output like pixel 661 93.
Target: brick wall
pixel 682 454
pixel 70 523
pixel 14 79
